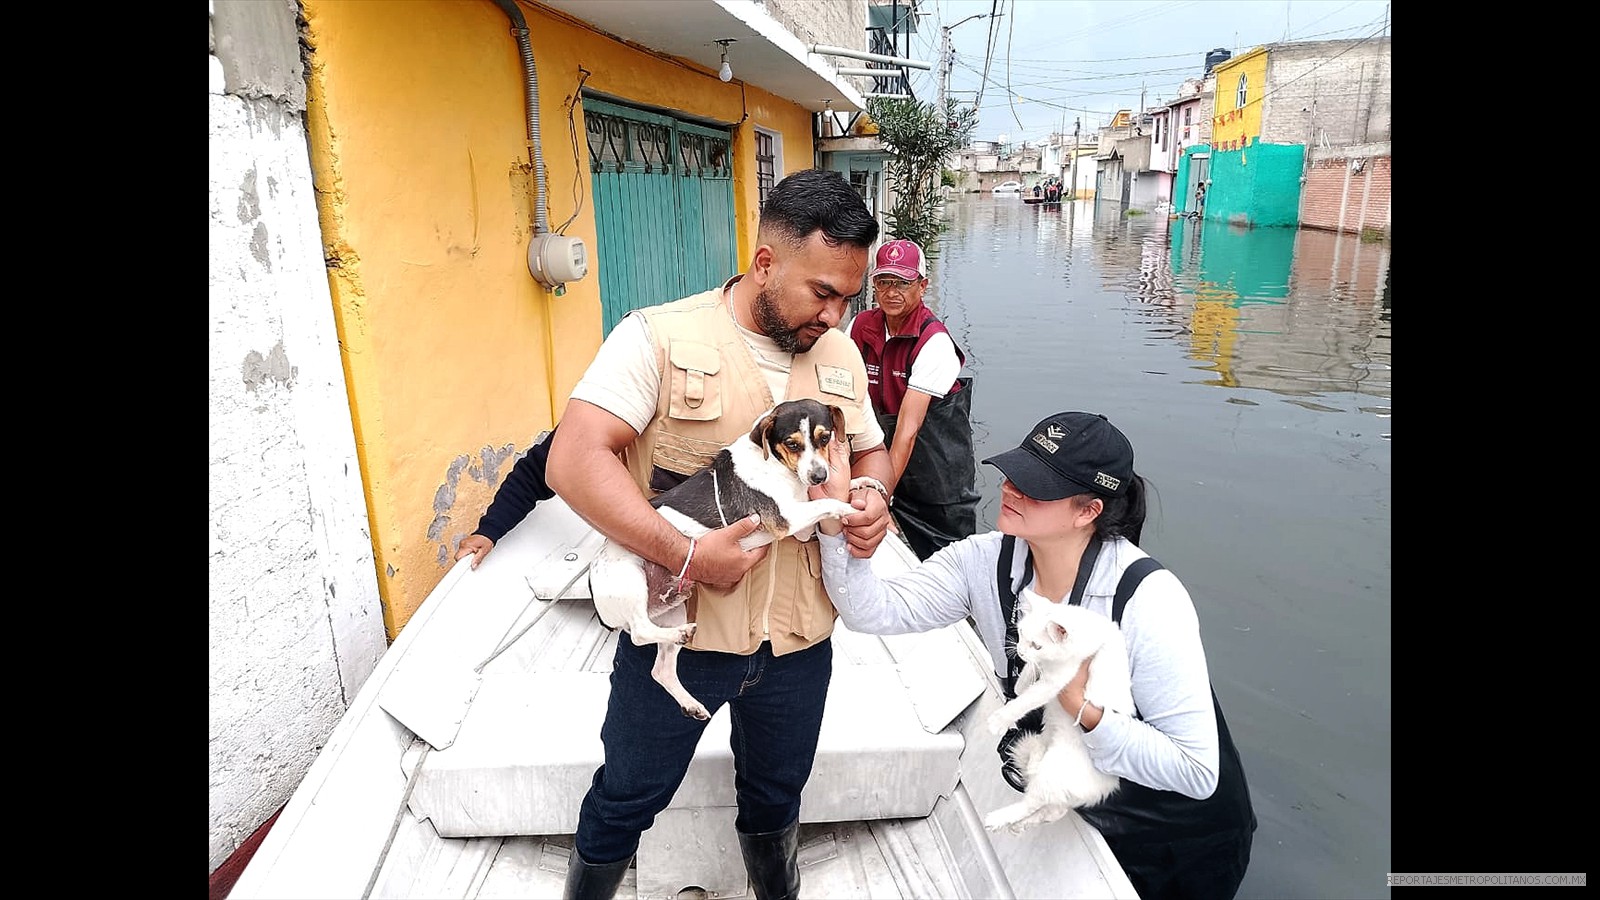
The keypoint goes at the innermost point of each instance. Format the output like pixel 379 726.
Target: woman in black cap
pixel 1071 512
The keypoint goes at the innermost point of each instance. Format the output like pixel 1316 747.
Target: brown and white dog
pixel 767 472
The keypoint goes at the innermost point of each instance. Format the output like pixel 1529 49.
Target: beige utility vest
pixel 712 393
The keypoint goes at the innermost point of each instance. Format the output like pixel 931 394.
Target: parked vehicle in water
pixel 1008 187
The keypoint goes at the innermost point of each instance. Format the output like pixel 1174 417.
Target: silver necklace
pixel 751 344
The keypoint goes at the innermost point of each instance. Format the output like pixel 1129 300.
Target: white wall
pixel 295 621
pixel 1086 169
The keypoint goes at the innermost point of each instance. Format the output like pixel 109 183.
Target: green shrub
pixel 919 140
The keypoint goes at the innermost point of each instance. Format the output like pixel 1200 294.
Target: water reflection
pixel 1301 314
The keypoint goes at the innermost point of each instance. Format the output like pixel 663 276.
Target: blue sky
pixel 1085 59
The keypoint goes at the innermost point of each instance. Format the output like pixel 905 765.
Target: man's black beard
pixel 773 326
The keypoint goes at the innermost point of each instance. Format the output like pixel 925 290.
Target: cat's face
pixel 1061 632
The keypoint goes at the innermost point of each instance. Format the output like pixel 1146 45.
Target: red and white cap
pixel 901 258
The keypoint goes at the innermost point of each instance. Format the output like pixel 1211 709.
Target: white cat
pixel 1054 639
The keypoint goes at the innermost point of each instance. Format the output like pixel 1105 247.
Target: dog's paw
pixel 696 710
pixel 685 633
pixel 837 509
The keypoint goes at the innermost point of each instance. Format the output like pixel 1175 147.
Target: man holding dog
pixel 670 386
pixel 922 402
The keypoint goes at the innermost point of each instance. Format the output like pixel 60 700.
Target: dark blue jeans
pixel 775 704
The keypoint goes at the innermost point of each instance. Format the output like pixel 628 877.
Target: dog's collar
pixel 716 494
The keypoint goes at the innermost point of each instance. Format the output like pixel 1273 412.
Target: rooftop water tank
pixel 1217 56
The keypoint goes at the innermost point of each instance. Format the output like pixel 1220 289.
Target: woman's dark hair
pixel 817 199
pixel 1122 516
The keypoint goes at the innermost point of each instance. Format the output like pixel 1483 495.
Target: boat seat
pixel 529 745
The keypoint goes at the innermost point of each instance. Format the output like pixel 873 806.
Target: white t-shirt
pixel 935 369
pixel 623 379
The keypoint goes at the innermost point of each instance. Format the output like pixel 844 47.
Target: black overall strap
pixel 1008 598
pixel 1141 816
pixel 929 322
pixel 1131 576
pixel 1008 609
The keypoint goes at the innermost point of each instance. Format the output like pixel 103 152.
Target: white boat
pixel 459 768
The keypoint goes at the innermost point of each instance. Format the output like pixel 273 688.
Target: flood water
pixel 1251 370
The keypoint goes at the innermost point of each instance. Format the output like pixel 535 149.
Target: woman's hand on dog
pixel 718 558
pixel 837 487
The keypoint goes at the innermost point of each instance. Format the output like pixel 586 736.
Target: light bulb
pixel 726 72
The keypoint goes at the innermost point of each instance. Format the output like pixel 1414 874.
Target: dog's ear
pixel 838 425
pixel 763 430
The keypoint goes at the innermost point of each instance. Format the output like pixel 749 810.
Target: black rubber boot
pixel 587 881
pixel 773 862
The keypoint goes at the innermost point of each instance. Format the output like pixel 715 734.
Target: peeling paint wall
pixel 295 619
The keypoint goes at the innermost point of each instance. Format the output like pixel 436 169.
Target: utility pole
pixel 1077 126
pixel 947 59
pixel 944 67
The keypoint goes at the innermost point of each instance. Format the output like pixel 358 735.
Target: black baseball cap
pixel 1069 453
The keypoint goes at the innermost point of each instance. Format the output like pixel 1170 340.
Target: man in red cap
pixel 922 401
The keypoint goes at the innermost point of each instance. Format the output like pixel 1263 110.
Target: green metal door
pixel 663 201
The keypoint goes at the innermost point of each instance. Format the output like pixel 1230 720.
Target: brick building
pixel 1347 189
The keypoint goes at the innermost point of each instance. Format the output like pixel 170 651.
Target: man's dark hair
pixel 813 199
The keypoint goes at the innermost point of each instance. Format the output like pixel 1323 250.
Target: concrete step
pixel 527 750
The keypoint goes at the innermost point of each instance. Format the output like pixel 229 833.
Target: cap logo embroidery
pixel 1055 431
pixel 1106 481
pixel 1046 443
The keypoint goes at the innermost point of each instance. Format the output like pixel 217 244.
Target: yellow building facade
pixel 455 357
pixel 1241 85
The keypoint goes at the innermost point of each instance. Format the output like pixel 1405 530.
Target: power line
pixel 1102 112
pixel 1100 28
pixel 988 52
pixel 1319 65
pixel 1011 28
pixel 1104 76
pixel 1188 54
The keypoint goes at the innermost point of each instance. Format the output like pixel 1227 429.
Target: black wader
pixel 936 501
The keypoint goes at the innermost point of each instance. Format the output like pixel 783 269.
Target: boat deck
pixel 458 769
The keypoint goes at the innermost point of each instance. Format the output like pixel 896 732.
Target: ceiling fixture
pixel 725 72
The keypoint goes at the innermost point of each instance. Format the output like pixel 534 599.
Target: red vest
pixel 889 361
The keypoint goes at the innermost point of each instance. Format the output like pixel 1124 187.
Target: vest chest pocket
pixel 696 391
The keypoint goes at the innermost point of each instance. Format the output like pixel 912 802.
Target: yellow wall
pixel 1234 126
pixel 456 358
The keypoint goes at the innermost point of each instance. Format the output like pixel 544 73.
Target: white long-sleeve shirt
pixel 1172 746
